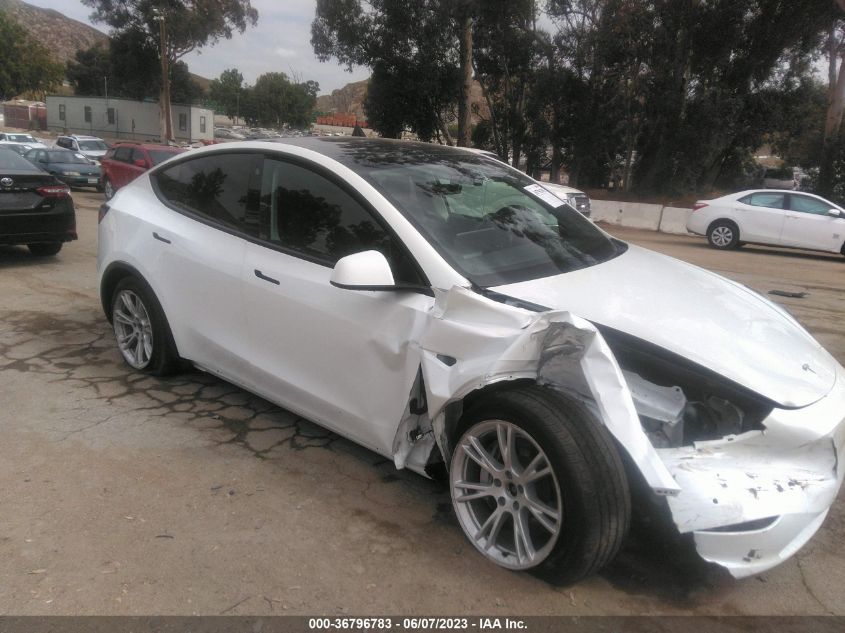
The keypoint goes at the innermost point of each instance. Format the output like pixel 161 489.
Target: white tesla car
pixel 773 217
pixel 450 313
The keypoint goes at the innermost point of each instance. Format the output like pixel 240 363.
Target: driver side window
pixel 304 212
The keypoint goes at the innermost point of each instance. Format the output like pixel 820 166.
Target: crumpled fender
pixel 471 342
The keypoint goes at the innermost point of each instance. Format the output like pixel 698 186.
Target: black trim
pixel 300 162
pixel 160 238
pixel 423 290
pixel 264 277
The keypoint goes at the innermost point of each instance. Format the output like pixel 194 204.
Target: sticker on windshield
pixel 544 194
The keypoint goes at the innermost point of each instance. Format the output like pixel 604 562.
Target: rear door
pixel 339 357
pixel 761 217
pixel 201 246
pixel 808 224
pixel 118 166
pixel 133 167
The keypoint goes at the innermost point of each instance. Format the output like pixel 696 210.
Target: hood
pixel 93 153
pixel 710 320
pixel 82 169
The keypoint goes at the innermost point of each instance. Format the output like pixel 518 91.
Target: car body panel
pixel 26 216
pixel 732 325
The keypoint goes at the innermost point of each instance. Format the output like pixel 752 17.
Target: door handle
pixel 261 275
pixel 160 238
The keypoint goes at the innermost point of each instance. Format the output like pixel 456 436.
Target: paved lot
pixel 123 494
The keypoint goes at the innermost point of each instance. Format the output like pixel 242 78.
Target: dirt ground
pixel 123 494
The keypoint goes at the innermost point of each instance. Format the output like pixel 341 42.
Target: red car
pixel 124 162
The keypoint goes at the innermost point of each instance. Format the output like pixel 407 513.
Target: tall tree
pixel 227 90
pixel 25 65
pixel 175 27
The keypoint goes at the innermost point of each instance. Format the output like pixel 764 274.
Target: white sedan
pixel 773 217
pixel 449 313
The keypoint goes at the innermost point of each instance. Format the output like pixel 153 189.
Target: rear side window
pixel 122 154
pixel 223 188
pixel 137 154
pixel 770 200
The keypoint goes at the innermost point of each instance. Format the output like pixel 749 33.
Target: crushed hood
pixel 719 324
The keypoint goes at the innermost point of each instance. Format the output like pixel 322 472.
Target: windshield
pixel 160 155
pixel 493 224
pixel 67 157
pixel 20 138
pixel 92 146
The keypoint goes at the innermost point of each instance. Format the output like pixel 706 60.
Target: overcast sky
pixel 280 43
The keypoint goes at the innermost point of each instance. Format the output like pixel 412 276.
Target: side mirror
pixel 140 162
pixel 836 213
pixel 363 271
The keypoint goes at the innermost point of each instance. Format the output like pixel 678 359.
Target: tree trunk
pixel 464 112
pixel 833 119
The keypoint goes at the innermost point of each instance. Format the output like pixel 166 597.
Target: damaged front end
pixel 750 480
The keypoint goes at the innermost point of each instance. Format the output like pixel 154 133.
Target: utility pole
pixel 164 95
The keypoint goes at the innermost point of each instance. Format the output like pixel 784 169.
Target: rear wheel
pixel 141 329
pixel 45 249
pixel 537 485
pixel 108 189
pixel 723 234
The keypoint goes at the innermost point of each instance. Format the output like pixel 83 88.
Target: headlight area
pixel 756 480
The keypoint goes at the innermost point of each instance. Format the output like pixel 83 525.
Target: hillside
pixel 61 35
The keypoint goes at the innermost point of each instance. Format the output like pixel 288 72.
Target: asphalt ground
pixel 126 494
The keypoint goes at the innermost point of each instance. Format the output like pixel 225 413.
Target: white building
pixel 125 118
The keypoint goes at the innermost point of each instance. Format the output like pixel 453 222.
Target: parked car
pixel 35 208
pixel 779 178
pixel 576 198
pixel 27 139
pixel 19 148
pixel 91 147
pixel 226 133
pixel 69 167
pixel 124 162
pixel 771 217
pixel 450 314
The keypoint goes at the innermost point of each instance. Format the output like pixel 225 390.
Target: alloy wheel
pixel 722 235
pixel 506 494
pixel 133 329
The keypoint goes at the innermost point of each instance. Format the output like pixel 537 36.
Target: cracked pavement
pixel 127 494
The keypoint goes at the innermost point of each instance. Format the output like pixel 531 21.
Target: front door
pixel 339 357
pixel 808 224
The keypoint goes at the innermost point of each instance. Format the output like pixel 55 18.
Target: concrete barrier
pixel 637 215
pixel 674 220
pixel 641 215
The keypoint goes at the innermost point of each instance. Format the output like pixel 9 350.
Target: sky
pixel 281 42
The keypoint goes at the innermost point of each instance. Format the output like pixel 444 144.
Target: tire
pixel 45 249
pixel 723 234
pixel 108 189
pixel 141 329
pixel 585 505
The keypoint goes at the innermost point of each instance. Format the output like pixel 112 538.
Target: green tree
pixel 226 90
pixel 276 101
pixel 25 65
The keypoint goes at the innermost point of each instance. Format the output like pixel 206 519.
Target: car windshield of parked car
pixel 20 138
pixel 488 221
pixel 10 159
pixel 160 155
pixel 67 157
pixel 92 146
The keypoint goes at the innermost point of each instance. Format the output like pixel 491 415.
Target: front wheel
pixel 723 235
pixel 537 485
pixel 141 329
pixel 45 249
